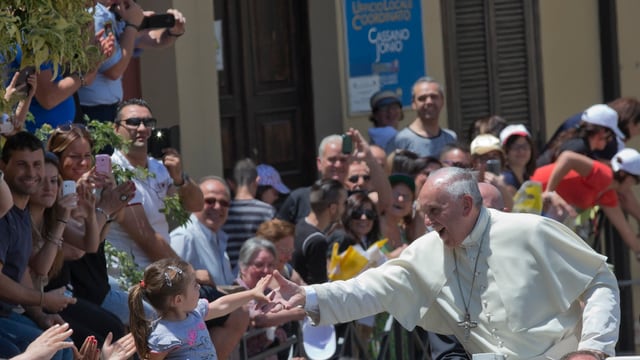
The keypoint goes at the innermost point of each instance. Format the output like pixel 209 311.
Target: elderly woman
pixel 257 259
pixel 281 234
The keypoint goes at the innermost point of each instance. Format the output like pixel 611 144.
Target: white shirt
pixel 150 193
pixel 532 274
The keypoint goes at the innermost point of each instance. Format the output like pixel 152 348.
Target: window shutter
pixel 492 62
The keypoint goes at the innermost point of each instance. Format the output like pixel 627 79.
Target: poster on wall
pixel 384 49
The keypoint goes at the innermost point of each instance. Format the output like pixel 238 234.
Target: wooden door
pixel 264 86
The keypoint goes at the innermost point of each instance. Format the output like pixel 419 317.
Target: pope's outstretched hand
pixel 288 294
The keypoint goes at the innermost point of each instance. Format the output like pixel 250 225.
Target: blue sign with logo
pixel 384 49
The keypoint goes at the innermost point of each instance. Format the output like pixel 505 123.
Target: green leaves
pixel 103 135
pixel 174 211
pixel 129 272
pixel 58 31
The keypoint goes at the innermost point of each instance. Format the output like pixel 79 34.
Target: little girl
pixel 170 286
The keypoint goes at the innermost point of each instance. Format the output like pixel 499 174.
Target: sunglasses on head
pixel 136 121
pixel 354 178
pixel 368 213
pixel 457 164
pixel 69 127
pixel 212 202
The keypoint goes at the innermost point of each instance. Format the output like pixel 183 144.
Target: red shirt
pixel 582 192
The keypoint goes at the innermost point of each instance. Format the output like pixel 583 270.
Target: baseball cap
pixel 512 130
pixel 627 160
pixel 485 143
pixel 603 115
pixel 269 176
pixel 382 98
pixel 398 178
pixel 319 342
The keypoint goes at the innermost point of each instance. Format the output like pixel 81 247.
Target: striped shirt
pixel 244 218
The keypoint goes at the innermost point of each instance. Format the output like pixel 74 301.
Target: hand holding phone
pixel 347 144
pixel 159 21
pixel 22 85
pixel 103 164
pixel 494 166
pixel 68 187
pixel 6 126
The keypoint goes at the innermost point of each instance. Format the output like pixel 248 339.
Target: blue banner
pixel 384 49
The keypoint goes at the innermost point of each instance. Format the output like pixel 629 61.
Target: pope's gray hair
pixel 459 182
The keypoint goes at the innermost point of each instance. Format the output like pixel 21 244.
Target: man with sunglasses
pixel 203 243
pixel 333 164
pixel 142 230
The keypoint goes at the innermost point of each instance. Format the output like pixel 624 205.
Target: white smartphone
pixel 103 164
pixel 6 126
pixel 68 187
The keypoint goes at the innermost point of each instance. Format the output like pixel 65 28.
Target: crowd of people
pixel 411 222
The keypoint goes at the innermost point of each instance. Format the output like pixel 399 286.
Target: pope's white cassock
pixel 540 291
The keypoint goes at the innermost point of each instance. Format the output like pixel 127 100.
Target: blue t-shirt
pixel 186 339
pixel 408 139
pixel 104 91
pixel 61 114
pixel 15 246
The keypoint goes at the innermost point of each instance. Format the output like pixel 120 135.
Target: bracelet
pixel 106 216
pixel 132 25
pixel 174 35
pixel 62 221
pixel 57 242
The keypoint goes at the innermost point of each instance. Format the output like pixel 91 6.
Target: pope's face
pixel 446 214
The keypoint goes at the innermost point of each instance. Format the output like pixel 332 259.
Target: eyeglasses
pixel 354 178
pixel 212 202
pixel 262 266
pixel 135 122
pixel 368 213
pixel 457 164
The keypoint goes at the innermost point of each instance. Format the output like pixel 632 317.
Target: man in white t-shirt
pixel 142 230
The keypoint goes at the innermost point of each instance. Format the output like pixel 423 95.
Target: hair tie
pixel 142 284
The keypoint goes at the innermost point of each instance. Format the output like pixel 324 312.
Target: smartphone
pixel 347 144
pixel 108 28
pixel 68 291
pixel 68 187
pixel 494 166
pixel 103 164
pixel 6 126
pixel 159 140
pixel 21 83
pixel 158 21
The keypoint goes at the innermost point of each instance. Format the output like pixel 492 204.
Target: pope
pixel 519 285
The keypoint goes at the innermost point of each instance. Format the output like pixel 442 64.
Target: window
pixel 492 55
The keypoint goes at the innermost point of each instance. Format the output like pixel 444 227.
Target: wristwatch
pixel 185 179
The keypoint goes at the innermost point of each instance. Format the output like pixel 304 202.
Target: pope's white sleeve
pixel 601 314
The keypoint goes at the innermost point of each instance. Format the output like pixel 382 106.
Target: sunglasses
pixel 135 122
pixel 212 202
pixel 354 178
pixel 368 213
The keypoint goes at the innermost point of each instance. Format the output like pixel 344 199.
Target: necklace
pixel 466 323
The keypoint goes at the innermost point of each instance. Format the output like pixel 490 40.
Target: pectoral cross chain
pixel 467 324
